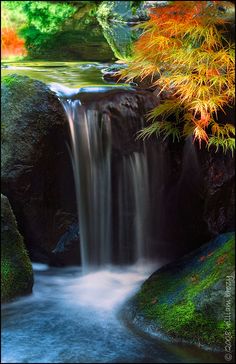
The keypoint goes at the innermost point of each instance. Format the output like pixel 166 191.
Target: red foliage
pixel 11 44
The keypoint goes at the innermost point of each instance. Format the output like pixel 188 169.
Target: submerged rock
pixel 186 300
pixel 16 268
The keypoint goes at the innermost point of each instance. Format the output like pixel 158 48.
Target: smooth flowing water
pixel 91 158
pixel 74 318
pixel 68 74
pixel 91 139
pixel 134 195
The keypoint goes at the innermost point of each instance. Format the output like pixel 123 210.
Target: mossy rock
pixel 125 11
pixel 29 110
pixel 186 300
pixel 33 125
pixel 120 37
pixel 16 268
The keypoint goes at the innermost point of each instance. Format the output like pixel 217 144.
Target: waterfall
pixel 91 155
pixel 134 203
pixel 91 165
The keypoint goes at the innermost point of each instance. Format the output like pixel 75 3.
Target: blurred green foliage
pixel 39 22
pixel 45 16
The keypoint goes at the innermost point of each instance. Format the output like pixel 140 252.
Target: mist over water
pixel 73 318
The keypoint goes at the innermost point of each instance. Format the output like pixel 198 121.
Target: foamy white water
pixel 73 318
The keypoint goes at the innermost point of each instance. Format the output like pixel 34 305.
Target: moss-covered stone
pixel 16 268
pixel 125 11
pixel 32 122
pixel 187 299
pixel 120 37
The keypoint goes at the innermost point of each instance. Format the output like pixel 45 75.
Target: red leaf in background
pixel 11 44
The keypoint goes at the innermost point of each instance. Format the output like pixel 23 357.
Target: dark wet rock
pixel 71 234
pixel 219 191
pixel 185 300
pixel 67 249
pixel 16 268
pixel 125 109
pixel 37 174
pixel 111 73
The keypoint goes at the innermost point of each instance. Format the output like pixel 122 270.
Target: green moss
pixel 10 80
pixel 186 300
pixel 16 268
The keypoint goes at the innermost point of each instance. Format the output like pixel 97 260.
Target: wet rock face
pixel 125 110
pixel 219 192
pixel 36 168
pixel 16 268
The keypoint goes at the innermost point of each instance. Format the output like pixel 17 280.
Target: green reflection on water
pixel 69 74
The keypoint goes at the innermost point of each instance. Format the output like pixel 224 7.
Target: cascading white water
pixel 92 172
pixel 134 199
pixel 91 159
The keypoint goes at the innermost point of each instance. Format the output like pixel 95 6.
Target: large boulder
pixel 191 299
pixel 16 268
pixel 37 174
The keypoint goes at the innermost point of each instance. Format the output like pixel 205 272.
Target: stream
pixel 73 318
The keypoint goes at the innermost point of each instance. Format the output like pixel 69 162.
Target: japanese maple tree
pixel 185 50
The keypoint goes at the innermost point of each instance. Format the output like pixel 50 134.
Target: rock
pixel 111 73
pixel 126 11
pixel 116 19
pixel 186 300
pixel 16 268
pixel 67 249
pixel 219 191
pixel 37 174
pixel 125 109
pixel 120 37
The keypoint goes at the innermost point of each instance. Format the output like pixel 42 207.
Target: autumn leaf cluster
pixel 185 50
pixel 11 44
